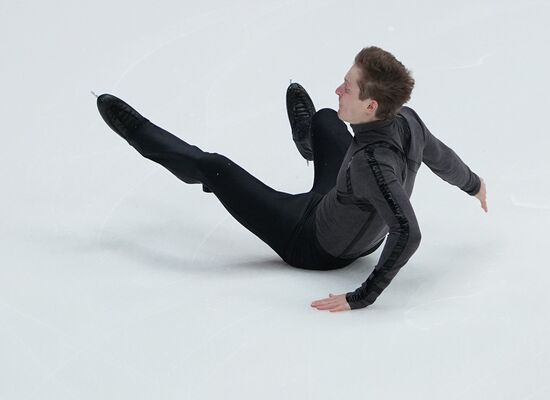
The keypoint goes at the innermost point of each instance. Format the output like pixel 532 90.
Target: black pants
pixel 283 221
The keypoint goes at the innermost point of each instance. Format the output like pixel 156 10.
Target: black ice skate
pixel 124 120
pixel 300 110
pixel 120 117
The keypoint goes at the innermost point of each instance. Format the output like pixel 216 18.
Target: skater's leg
pixel 269 214
pixel 330 139
pixel 159 145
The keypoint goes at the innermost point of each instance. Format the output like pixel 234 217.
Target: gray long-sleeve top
pixel 372 192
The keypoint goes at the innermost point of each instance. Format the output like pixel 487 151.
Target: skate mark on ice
pixel 171 40
pixel 433 321
pixel 491 376
pixel 212 18
pixel 219 332
pixel 207 236
pixel 119 202
pixel 480 61
pixel 523 204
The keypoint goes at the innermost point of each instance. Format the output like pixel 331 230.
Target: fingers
pixel 484 205
pixel 331 299
pixel 333 303
pixel 333 308
pixel 324 303
pixel 327 306
pixel 482 195
pixel 484 202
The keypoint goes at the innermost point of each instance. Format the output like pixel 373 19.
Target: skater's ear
pixel 371 106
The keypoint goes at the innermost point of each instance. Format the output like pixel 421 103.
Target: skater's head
pixel 375 87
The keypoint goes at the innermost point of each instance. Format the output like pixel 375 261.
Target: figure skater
pixel 362 182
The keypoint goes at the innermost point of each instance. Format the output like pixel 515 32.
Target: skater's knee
pixel 323 118
pixel 213 163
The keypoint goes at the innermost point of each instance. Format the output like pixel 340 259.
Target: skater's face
pixel 351 109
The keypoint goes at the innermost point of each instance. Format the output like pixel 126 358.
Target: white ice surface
pixel 118 281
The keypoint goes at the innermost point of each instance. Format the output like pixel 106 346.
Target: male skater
pixel 362 183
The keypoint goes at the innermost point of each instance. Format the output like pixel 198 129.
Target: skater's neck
pixel 380 125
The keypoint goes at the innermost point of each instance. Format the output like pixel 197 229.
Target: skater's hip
pixel 304 250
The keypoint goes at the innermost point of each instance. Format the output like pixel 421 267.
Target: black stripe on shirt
pixel 381 276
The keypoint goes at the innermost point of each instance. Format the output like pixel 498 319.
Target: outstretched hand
pixel 332 303
pixel 482 195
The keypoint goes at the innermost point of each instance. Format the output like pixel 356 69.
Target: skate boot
pixel 120 117
pixel 300 110
pixel 124 120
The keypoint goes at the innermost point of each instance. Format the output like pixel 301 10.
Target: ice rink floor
pixel 118 281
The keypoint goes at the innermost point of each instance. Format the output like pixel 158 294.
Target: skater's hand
pixel 482 195
pixel 335 302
